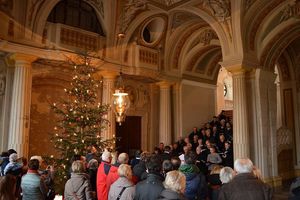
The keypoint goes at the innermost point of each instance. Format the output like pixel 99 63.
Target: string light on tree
pixel 80 118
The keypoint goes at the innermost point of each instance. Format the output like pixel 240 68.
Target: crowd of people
pixel 199 166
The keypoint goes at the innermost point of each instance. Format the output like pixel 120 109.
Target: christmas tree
pixel 80 119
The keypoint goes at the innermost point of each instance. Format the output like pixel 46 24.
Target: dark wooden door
pixel 129 135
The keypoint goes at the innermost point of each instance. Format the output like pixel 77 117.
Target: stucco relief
pixel 206 36
pixel 131 9
pixel 291 10
pixel 219 8
pixel 167 2
pixel 138 95
pixel 6 6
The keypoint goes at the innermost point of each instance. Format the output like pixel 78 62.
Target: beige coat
pixel 117 186
pixel 78 186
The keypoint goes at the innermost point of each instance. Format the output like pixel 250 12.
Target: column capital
pixel 164 84
pixel 238 69
pixel 108 74
pixel 23 57
pixel 247 61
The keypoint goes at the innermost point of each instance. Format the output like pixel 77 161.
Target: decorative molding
pixel 168 2
pixel 34 6
pixel 198 84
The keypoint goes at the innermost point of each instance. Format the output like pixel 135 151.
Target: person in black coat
pixel 245 185
pixel 227 155
pixel 150 188
pixel 166 155
pixel 92 171
pixel 295 190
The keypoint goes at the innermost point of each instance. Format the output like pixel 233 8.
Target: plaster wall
pixel 43 121
pixel 198 104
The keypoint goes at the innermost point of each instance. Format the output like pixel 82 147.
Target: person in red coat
pixel 113 175
pixel 102 175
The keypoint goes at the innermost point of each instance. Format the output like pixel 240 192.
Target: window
pixel 225 90
pixel 76 13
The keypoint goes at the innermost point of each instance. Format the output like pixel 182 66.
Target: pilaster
pixel 109 79
pixel 165 135
pixel 20 106
pixel 263 114
pixel 241 143
pixel 177 115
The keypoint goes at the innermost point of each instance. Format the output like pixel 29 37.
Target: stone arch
pixel 45 10
pixel 181 46
pixel 277 41
pixel 257 17
pixel 222 34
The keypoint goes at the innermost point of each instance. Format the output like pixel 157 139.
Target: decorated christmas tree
pixel 80 119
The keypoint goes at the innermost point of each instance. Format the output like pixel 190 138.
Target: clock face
pixel 225 90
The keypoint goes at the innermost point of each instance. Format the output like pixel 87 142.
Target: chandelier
pixel 121 101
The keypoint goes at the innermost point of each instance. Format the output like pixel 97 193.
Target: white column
pixel 109 79
pixel 165 113
pixel 20 109
pixel 241 143
pixel 177 90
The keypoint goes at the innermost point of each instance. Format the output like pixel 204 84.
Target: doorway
pixel 129 135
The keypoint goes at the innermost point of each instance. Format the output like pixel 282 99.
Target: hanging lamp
pixel 121 102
